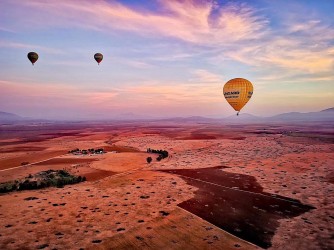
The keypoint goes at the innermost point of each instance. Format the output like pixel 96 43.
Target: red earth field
pixel 221 187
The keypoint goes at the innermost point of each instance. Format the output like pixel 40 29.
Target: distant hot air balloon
pixel 98 57
pixel 33 57
pixel 237 92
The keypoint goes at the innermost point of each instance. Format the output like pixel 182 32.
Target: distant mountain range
pixel 321 116
pixel 326 115
pixel 10 118
pixel 4 116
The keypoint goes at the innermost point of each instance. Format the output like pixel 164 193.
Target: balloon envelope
pixel 98 57
pixel 237 92
pixel 33 57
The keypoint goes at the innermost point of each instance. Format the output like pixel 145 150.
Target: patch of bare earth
pixel 126 203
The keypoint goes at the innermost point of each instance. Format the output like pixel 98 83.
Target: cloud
pixel 202 87
pixel 240 31
pixel 300 44
pixel 150 96
pixel 3 29
pixel 201 23
pixel 134 63
pixel 55 95
pixel 15 45
pixel 204 76
pixel 191 21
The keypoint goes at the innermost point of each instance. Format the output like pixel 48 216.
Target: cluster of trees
pixel 87 151
pixel 49 178
pixel 162 154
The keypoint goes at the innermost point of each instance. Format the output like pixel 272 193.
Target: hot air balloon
pixel 98 57
pixel 33 57
pixel 237 92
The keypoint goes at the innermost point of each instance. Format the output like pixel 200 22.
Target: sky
pixel 164 58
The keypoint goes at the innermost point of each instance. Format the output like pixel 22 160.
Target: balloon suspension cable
pixel 238 113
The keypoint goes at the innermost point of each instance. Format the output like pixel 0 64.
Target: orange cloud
pixel 56 95
pixel 152 96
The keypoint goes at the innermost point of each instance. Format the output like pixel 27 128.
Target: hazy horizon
pixel 243 117
pixel 164 58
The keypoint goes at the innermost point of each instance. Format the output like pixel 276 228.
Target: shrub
pixel 63 173
pixel 149 160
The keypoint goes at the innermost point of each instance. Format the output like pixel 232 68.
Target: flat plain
pixel 221 187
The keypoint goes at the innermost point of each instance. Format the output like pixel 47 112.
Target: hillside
pixel 9 117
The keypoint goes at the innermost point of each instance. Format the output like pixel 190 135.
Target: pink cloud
pixel 58 98
pixel 237 29
pixel 149 97
pixel 188 20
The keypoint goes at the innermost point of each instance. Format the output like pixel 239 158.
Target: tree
pixel 149 159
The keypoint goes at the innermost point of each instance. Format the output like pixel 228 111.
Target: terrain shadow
pixel 237 204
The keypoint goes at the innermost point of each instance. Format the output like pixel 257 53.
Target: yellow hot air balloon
pixel 237 92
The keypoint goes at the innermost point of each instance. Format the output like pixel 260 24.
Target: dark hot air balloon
pixel 98 57
pixel 237 92
pixel 33 57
